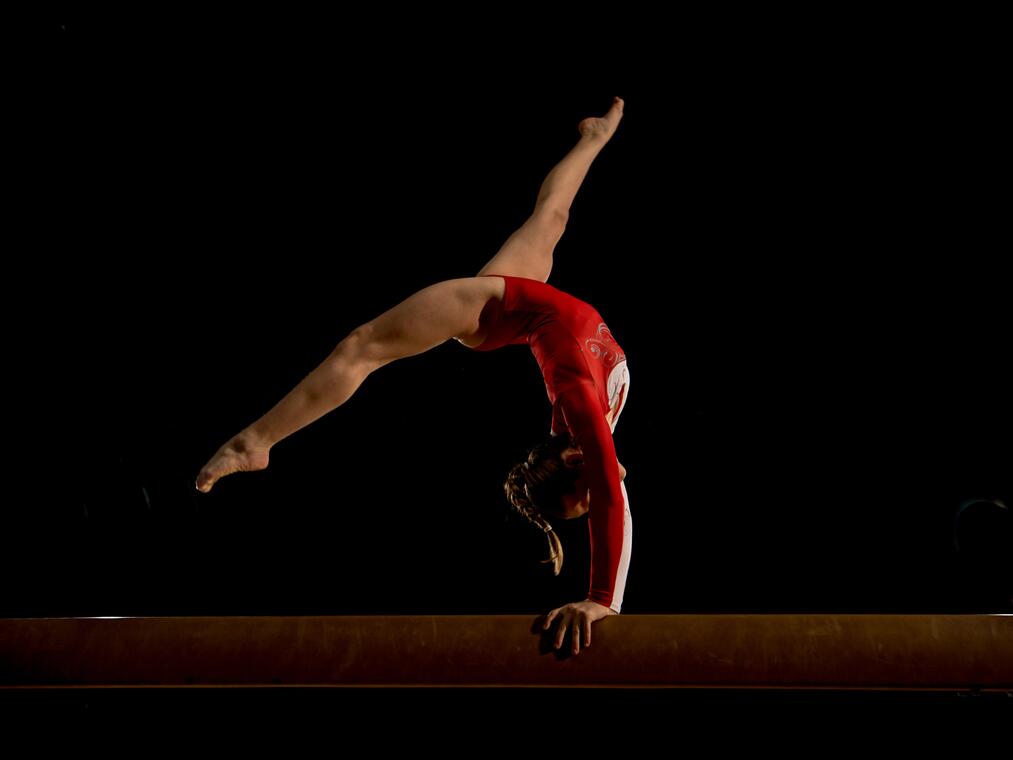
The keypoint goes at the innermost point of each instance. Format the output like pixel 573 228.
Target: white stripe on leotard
pixel 619 378
pixel 624 558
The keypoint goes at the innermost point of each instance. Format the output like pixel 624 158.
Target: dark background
pixel 794 238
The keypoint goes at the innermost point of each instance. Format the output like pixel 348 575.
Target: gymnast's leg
pixel 528 251
pixel 431 316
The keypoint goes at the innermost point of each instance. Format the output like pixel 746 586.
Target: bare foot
pixel 242 453
pixel 604 126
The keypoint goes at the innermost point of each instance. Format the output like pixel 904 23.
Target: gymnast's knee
pixel 360 348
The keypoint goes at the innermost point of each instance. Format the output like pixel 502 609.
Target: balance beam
pixel 775 651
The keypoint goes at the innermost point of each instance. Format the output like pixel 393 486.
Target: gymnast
pixel 575 470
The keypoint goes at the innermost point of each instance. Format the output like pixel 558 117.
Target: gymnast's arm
pixel 610 536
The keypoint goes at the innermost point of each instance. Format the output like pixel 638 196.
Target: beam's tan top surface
pixel 723 650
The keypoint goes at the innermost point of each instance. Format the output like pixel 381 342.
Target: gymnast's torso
pixel 569 340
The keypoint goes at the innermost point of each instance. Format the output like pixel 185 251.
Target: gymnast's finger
pixel 561 633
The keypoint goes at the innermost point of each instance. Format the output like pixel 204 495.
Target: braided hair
pixel 535 488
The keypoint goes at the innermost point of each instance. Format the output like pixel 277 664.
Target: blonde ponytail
pixel 537 483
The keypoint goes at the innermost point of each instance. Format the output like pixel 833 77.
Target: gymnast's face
pixel 578 503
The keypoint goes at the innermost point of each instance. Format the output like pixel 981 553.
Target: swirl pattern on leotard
pixel 604 347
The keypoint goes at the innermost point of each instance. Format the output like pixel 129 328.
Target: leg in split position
pixel 423 321
pixel 426 319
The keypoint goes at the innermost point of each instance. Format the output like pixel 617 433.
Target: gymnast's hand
pixel 578 617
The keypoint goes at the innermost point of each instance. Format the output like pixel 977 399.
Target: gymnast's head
pixel 549 485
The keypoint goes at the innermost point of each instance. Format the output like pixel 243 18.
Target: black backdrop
pixel 794 244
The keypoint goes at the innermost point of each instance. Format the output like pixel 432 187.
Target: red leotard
pixel 585 374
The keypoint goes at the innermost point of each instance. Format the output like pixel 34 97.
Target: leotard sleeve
pixel 608 514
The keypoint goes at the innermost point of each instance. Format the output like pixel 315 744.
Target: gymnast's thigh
pixel 428 318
